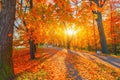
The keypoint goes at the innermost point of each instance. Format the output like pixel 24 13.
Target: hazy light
pixel 70 32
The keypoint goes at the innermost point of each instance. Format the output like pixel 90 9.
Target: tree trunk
pixel 32 49
pixel 68 45
pixel 68 42
pixel 101 33
pixel 7 17
pixel 94 34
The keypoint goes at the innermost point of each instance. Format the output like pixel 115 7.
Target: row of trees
pixel 61 13
pixel 88 35
pixel 44 21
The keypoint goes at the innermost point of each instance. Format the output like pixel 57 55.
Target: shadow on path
pixel 111 60
pixel 72 71
pixel 50 53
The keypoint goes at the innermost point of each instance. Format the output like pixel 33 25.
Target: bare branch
pixel 31 4
pixel 16 27
pixel 93 11
pixel 96 1
pixel 103 3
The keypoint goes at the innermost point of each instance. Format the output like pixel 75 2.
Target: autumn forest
pixel 59 40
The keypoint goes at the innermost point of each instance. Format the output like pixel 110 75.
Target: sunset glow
pixel 70 32
pixel 59 39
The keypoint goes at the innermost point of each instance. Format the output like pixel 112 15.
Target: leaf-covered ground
pixel 60 64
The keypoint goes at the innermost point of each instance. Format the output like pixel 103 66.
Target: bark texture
pixel 32 49
pixel 7 17
pixel 101 33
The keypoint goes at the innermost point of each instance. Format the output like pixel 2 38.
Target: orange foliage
pixel 46 21
pixel 56 64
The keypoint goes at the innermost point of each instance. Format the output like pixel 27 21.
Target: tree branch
pixel 96 1
pixel 93 11
pixel 103 3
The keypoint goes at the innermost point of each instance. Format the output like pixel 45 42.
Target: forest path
pixel 107 60
pixel 63 64
pixel 60 68
pixel 76 65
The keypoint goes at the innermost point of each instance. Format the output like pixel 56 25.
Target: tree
pixel 114 25
pixel 31 41
pixel 23 9
pixel 7 16
pixel 33 21
pixel 97 5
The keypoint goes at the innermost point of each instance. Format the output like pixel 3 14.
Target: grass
pixel 40 75
pixel 117 56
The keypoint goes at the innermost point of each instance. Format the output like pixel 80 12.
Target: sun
pixel 70 32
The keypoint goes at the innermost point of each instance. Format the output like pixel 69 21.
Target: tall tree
pixel 114 25
pixel 31 41
pixel 25 6
pixel 7 16
pixel 97 5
